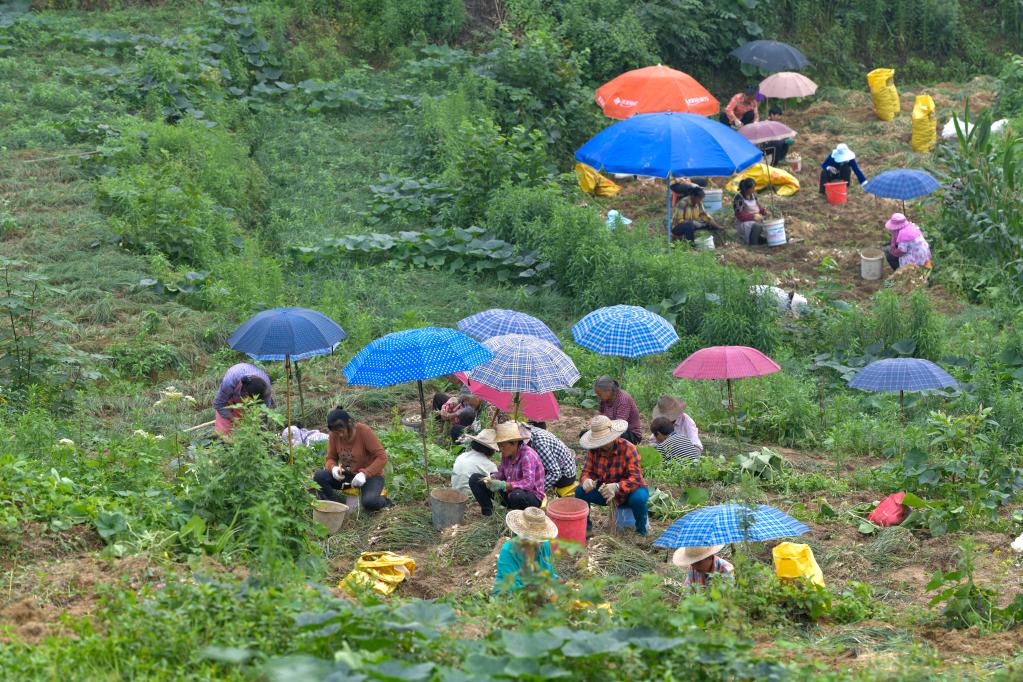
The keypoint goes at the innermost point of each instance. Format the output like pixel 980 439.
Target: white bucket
pixel 705 243
pixel 870 263
pixel 774 230
pixel 330 514
pixel 712 200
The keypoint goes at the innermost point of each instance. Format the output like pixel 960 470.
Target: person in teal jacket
pixel 526 559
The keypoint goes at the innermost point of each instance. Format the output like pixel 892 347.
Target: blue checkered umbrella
pixel 725 523
pixel 281 333
pixel 525 364
pixel 626 331
pixel 902 184
pixel 498 322
pixel 902 374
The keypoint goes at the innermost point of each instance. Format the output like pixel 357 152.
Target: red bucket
pixel 836 192
pixel 569 515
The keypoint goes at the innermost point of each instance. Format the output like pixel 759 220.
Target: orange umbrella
pixel 654 89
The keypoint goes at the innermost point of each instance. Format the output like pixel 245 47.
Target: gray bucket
pixel 448 507
pixel 330 514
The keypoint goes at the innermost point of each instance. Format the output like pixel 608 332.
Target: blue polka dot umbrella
pixel 499 322
pixel 721 524
pixel 415 355
pixel 902 374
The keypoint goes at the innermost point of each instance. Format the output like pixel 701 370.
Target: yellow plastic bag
pixel 882 90
pixel 785 184
pixel 592 182
pixel 792 560
pixel 380 571
pixel 925 132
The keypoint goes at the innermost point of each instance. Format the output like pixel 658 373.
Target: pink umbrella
pixel 726 362
pixel 786 84
pixel 766 131
pixel 540 407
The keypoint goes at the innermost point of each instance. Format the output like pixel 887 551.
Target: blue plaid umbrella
pixel 902 184
pixel 415 355
pixel 288 334
pixel 626 331
pixel 902 374
pixel 725 523
pixel 498 322
pixel 525 364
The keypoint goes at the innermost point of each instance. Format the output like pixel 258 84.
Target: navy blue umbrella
pixel 288 334
pixel 415 355
pixel 771 56
pixel 669 145
pixel 902 374
pixel 902 184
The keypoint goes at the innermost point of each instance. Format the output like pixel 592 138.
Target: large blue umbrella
pixel 725 523
pixel 498 322
pixel 669 145
pixel 902 184
pixel 626 331
pixel 525 364
pixel 415 355
pixel 288 334
pixel 902 374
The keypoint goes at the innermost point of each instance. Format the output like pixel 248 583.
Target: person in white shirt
pixel 477 459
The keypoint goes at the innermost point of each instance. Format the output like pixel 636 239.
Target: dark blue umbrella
pixel 771 56
pixel 288 334
pixel 902 374
pixel 415 355
pixel 902 184
pixel 283 333
pixel 725 523
pixel 669 145
pixel 500 322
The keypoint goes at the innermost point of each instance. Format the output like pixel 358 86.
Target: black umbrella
pixel 771 56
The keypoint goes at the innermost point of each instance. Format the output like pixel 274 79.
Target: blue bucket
pixel 625 518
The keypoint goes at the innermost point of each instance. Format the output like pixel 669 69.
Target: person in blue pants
pixel 612 470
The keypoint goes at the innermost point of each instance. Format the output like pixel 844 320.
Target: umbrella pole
pixel 422 432
pixel 731 408
pixel 291 442
pixel 301 397
pixel 902 407
pixel 669 209
pixel 621 371
pixel 518 403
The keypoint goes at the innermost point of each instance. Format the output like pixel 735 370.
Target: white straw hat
pixel 509 431
pixel 687 556
pixel 531 524
pixel 485 437
pixel 603 431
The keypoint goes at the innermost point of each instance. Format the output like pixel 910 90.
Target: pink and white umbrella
pixel 766 131
pixel 726 362
pixel 787 84
pixel 540 407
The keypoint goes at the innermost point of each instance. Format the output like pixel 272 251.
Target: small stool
pixel 566 491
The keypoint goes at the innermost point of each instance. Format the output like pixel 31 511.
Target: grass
pixel 472 542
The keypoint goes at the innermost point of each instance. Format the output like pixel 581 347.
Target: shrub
pixel 376 27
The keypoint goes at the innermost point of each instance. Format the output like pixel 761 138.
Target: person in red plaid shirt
pixel 612 470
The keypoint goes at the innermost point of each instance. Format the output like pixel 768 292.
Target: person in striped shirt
pixel 559 467
pixel 672 446
pixel 241 382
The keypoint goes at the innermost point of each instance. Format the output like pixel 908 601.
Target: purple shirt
pixel 230 392
pixel 523 471
pixel 622 406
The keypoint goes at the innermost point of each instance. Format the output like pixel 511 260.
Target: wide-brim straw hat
pixel 485 437
pixel 511 431
pixel 687 556
pixel 896 222
pixel 603 431
pixel 842 153
pixel 531 524
pixel 668 407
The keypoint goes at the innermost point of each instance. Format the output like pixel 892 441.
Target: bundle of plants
pixel 609 556
pixel 403 528
pixel 470 543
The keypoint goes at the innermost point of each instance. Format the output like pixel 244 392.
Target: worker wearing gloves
pixel 518 481
pixel 355 459
pixel 612 470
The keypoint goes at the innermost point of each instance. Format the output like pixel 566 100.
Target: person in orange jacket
pixel 355 459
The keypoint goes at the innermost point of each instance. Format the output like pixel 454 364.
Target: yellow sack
pixel 592 182
pixel 792 560
pixel 882 90
pixel 380 571
pixel 785 184
pixel 925 132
